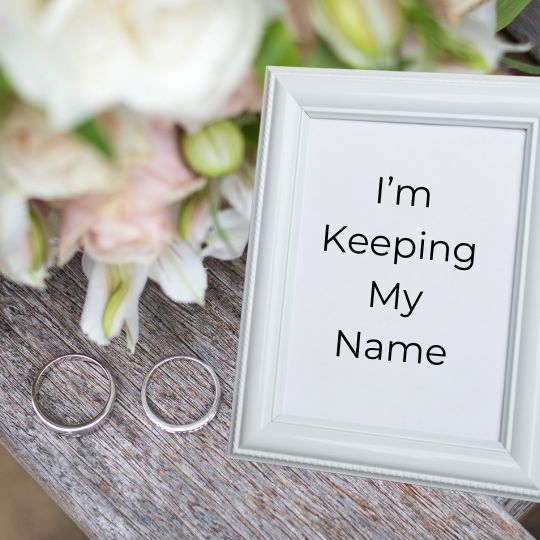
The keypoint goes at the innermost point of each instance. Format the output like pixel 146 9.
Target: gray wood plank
pixel 518 509
pixel 129 480
pixel 526 27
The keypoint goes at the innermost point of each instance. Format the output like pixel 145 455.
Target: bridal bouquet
pixel 128 128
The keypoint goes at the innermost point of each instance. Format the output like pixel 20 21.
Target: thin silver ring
pixel 181 428
pixel 78 429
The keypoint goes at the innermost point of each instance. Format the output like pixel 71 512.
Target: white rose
pixel 37 161
pixel 178 59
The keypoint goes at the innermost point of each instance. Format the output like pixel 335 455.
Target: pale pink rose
pixel 246 98
pixel 134 223
pixel 299 21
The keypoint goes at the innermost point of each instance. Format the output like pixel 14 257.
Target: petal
pixel 26 253
pixel 195 219
pixel 42 163
pixel 97 294
pixel 111 300
pixel 180 273
pixel 132 329
pixel 479 28
pixel 237 190
pixel 14 222
pixel 229 236
pixel 131 325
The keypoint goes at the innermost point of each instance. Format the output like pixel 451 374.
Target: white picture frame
pixel 507 464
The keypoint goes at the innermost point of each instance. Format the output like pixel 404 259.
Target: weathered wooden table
pixel 130 480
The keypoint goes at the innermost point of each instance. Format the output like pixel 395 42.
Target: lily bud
pixel 193 210
pixel 112 300
pixel 215 150
pixel 363 33
pixel 119 282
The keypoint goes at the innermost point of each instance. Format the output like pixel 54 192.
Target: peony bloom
pixel 134 223
pixel 179 60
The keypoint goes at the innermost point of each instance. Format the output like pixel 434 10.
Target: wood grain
pixel 526 27
pixel 129 480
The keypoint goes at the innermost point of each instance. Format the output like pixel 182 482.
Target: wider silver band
pixel 181 428
pixel 79 429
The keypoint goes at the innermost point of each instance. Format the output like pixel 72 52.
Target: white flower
pixel 114 290
pixel 112 300
pixel 14 222
pixel 178 59
pixel 470 44
pixel 363 33
pixel 215 221
pixel 212 222
pixel 479 28
pixel 25 241
pixel 237 190
pixel 38 162
pixel 134 223
pixel 228 236
pixel 180 273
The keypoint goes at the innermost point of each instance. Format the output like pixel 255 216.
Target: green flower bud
pixel 215 150
pixel 362 33
pixel 187 212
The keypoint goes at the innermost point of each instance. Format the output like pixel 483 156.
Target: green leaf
pixel 277 49
pixel 6 95
pixel 250 124
pixel 251 134
pixel 221 232
pixel 508 10
pixel 91 132
pixel 321 56
pixel 37 239
pixel 5 87
pixel 524 67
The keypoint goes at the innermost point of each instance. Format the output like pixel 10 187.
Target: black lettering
pixel 341 335
pixel 333 238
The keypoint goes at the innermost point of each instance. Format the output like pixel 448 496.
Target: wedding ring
pixel 181 428
pixel 78 429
